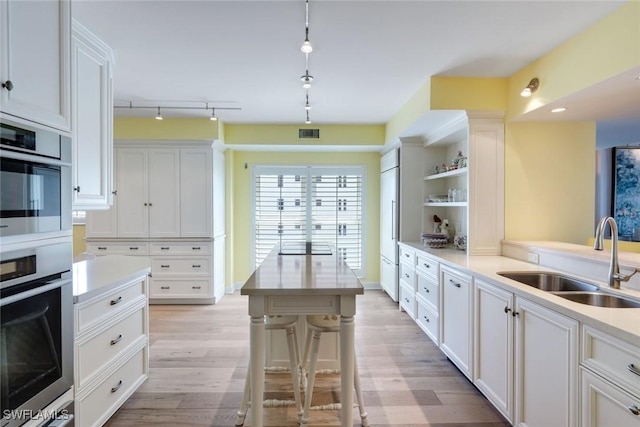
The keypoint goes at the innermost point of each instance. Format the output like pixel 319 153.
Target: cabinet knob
pixel 76 188
pixel 507 309
pixel 426 319
pixel 456 284
pixel 114 192
pixel 8 85
pixel 150 204
pixel 515 313
pixel 146 204
pixel 634 409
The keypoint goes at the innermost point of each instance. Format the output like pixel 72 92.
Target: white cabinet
pixel 546 367
pixel 196 191
pixel 35 44
pixel 428 295
pixel 92 120
pixel 493 350
pixel 110 350
pixel 457 318
pixel 478 206
pixel 407 289
pixel 610 377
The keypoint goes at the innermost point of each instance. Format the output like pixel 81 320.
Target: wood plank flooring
pixel 199 357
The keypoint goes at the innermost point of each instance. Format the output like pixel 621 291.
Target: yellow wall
pixel 411 111
pixel 468 93
pixel 79 245
pixel 242 201
pixel 150 128
pixel 283 135
pixel 550 181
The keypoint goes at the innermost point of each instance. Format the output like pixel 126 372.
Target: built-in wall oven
pixel 35 182
pixel 36 328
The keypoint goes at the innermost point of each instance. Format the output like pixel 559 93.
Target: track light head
pixel 530 88
pixel 159 115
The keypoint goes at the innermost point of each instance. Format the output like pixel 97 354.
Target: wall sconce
pixel 531 87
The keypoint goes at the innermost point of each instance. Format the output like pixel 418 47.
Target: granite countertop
pixel 302 275
pixel 93 277
pixel 621 322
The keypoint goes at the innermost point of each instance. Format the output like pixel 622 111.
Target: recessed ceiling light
pixel 558 110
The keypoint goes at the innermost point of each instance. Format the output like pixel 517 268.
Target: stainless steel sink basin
pixel 550 282
pixel 599 299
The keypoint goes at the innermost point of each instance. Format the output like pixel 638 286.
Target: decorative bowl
pixel 435 241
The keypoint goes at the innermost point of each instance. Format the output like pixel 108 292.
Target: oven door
pixel 36 346
pixel 33 195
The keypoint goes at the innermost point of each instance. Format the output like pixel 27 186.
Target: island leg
pixel 256 346
pixel 347 357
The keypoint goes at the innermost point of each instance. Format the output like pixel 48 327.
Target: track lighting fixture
pixel 308 121
pixel 307 106
pixel 306 80
pixel 530 88
pixel 306 46
pixel 159 116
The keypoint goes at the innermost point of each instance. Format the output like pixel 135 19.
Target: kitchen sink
pixel 599 299
pixel 550 282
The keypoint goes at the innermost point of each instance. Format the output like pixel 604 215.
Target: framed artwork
pixel 626 191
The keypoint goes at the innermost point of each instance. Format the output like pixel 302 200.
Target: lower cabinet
pixel 604 404
pixel 457 318
pixel 546 367
pixel 182 271
pixel 526 359
pixel 110 350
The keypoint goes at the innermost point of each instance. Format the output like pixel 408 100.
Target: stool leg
pixel 292 343
pixel 242 412
pixel 361 408
pixel 311 376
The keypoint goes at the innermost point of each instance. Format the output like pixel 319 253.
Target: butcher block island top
pixel 302 274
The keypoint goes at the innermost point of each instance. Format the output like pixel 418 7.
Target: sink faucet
pixel 614 268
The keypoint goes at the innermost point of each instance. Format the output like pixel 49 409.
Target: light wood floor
pixel 199 357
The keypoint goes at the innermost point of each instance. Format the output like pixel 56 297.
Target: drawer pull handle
pixel 631 367
pixel 164 266
pixel 406 275
pixel 634 409
pixel 426 265
pixel 426 319
pixel 133 248
pixel 117 340
pixel 102 248
pixel 196 287
pixel 507 309
pixel 164 248
pixel 196 266
pixel 456 284
pixel 426 289
pixel 115 301
pixel 196 248
pixel 406 299
pixel 515 313
pixel 407 255
pixel 165 287
pixel 117 387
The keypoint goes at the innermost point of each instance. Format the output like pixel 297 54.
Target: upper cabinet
pixel 464 179
pixel 35 44
pixel 92 120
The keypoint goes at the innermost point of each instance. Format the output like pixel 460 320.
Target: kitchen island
pixel 301 283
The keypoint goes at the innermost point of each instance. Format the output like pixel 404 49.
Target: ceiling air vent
pixel 309 133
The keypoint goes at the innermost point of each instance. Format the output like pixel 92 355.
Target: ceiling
pixel 369 57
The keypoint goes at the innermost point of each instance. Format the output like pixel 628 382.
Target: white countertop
pixel 95 276
pixel 621 322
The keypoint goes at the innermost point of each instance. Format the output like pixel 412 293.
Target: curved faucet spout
pixel 614 267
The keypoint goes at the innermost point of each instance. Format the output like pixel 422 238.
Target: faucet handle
pixel 621 277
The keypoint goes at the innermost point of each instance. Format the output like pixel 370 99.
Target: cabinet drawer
pixel 98 351
pixel 408 275
pixel 96 407
pixel 457 279
pixel 180 288
pixel 161 266
pixel 407 255
pixel 181 248
pixel 91 313
pixel 428 320
pixel 427 265
pixel 429 290
pixel 604 404
pixel 118 248
pixel 613 358
pixel 408 300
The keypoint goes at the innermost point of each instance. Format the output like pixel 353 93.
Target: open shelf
pixel 447 204
pixel 448 174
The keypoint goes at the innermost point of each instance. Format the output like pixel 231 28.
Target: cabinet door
pixel 389 215
pixel 546 366
pixel 493 325
pixel 604 404
pixel 196 183
pixel 92 121
pixel 389 278
pixel 34 56
pixel 131 187
pixel 456 313
pixel 103 223
pixel 164 192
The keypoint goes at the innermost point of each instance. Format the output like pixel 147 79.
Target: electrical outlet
pixel 534 258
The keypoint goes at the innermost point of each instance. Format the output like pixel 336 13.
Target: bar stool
pixel 288 324
pixel 316 326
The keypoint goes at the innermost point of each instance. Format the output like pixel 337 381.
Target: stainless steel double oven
pixel 36 290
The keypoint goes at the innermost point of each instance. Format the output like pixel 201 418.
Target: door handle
pixel 393 220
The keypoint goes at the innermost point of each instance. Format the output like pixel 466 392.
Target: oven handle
pixel 33 292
